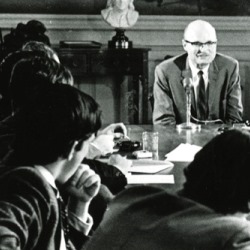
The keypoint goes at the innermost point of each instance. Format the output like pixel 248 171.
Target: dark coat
pixel 29 214
pixel 148 218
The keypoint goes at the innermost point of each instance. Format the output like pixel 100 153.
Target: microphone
pixel 188 90
pixel 188 85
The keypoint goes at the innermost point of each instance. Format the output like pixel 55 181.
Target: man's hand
pixel 102 145
pixel 104 142
pixel 84 184
pixel 113 128
pixel 82 187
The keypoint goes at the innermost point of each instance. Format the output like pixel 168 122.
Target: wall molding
pixel 146 23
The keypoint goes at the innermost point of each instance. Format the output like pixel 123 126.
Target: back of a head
pixel 219 175
pixel 33 30
pixel 6 68
pixel 28 76
pixel 8 63
pixel 40 46
pixel 47 129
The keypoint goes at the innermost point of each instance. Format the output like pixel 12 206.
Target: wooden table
pixel 170 138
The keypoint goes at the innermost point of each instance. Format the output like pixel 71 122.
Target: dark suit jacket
pixel 150 219
pixel 111 177
pixel 29 213
pixel 224 93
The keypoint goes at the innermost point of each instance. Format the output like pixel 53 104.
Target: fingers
pixel 104 143
pixel 84 184
pixel 92 185
pixel 92 180
pixel 84 177
pixel 77 175
pixel 115 127
pixel 124 129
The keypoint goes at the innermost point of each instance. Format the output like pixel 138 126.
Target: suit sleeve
pixel 239 241
pixel 234 108
pixel 163 112
pixel 21 220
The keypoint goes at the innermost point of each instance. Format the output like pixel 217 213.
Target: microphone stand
pixel 188 125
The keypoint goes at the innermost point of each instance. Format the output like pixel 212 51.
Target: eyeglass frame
pixel 198 44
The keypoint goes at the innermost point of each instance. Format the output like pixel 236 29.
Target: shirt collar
pixel 195 70
pixel 47 175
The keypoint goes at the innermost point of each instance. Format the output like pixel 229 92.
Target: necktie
pixel 202 98
pixel 64 220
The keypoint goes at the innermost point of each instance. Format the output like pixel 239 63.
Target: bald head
pixel 201 31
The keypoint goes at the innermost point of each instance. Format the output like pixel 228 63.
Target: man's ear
pixel 248 204
pixel 184 44
pixel 72 150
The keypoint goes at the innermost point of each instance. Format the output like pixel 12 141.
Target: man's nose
pixel 202 47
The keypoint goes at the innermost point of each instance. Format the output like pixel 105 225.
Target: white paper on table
pixel 149 179
pixel 184 153
pixel 149 166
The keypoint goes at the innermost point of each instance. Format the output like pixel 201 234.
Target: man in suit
pixel 211 212
pixel 51 139
pixel 220 96
pixel 27 81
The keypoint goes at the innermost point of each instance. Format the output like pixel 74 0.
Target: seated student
pixel 6 67
pixel 102 145
pixel 211 212
pixel 27 82
pixel 28 50
pixel 52 138
pixel 24 81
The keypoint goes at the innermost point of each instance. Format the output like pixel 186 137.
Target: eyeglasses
pixel 198 44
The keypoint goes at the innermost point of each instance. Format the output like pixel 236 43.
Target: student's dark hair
pixel 220 173
pixel 48 128
pixel 6 67
pixel 33 30
pixel 40 46
pixel 27 78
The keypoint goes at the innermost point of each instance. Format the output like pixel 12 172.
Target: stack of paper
pixel 149 166
pixel 150 179
pixel 184 153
